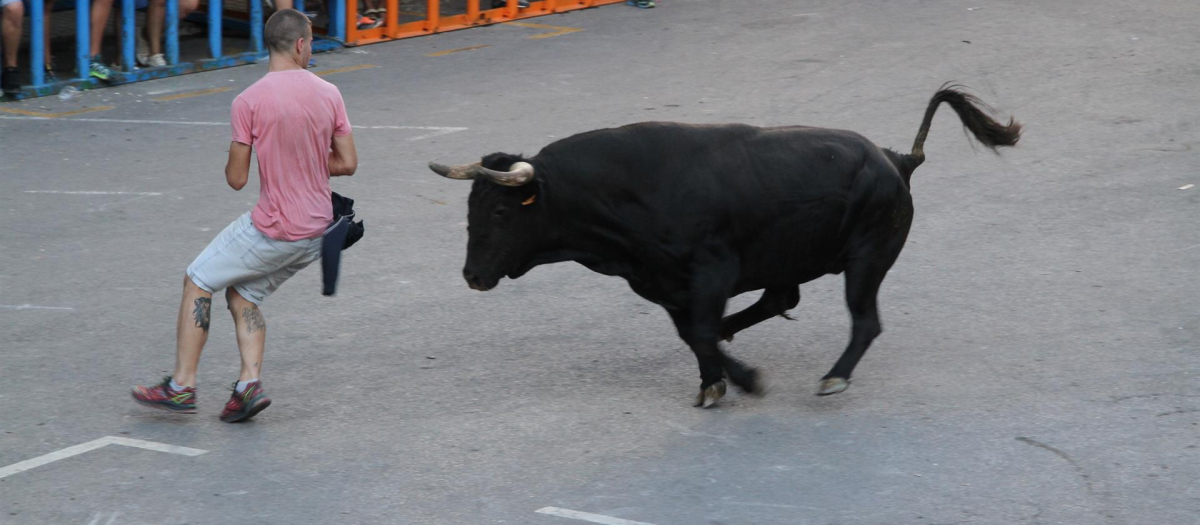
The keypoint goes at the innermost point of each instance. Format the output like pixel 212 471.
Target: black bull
pixel 691 215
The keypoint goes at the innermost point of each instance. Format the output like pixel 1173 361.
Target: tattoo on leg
pixel 254 319
pixel 203 305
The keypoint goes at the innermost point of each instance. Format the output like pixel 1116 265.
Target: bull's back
pixel 811 180
pixel 781 198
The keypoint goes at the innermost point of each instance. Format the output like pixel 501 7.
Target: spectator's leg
pixel 13 18
pixel 100 12
pixel 156 16
pixel 49 8
pixel 156 21
pixel 187 7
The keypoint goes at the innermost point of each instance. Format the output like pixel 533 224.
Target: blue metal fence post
pixel 83 37
pixel 128 15
pixel 37 55
pixel 173 32
pixel 256 25
pixel 337 19
pixel 214 27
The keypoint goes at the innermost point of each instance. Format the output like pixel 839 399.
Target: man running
pixel 297 124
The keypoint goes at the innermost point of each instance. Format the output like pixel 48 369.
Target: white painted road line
pixel 585 516
pixel 119 121
pixel 96 192
pixel 76 450
pixel 52 457
pixel 155 446
pixel 436 130
pixel 100 515
pixel 32 307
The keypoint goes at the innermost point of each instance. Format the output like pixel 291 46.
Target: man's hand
pixel 237 170
pixel 343 159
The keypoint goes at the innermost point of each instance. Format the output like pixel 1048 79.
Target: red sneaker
pixel 162 397
pixel 245 405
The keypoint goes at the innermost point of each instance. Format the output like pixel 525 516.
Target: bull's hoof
pixel 833 385
pixel 709 396
pixel 728 338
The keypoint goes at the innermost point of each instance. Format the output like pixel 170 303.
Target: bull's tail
pixel 985 129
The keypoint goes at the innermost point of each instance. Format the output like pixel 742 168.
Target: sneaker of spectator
pixel 366 22
pixel 374 10
pixel 503 3
pixel 142 53
pixel 9 83
pixel 99 71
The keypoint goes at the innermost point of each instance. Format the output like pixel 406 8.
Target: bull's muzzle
pixel 476 282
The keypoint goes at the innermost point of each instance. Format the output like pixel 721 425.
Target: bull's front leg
pixel 712 382
pixel 700 327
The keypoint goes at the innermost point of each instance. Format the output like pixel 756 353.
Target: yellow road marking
pixel 459 50
pixel 191 94
pixel 344 69
pixel 557 30
pixel 57 115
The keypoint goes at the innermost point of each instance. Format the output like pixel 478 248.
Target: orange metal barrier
pixel 433 22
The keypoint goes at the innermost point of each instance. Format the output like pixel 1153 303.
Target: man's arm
pixel 343 160
pixel 237 170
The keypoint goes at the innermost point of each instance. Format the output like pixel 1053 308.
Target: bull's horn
pixel 464 172
pixel 520 175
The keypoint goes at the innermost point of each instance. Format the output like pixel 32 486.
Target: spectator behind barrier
pixel 373 15
pixel 12 24
pixel 150 38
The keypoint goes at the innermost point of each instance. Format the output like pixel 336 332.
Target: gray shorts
pixel 252 263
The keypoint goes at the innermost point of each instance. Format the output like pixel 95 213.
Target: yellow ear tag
pixel 529 201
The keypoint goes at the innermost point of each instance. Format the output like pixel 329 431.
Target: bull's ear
pixel 500 161
pixel 534 196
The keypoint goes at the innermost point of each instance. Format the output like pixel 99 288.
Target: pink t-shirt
pixel 291 117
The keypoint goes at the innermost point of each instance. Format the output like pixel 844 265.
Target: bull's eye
pixel 500 211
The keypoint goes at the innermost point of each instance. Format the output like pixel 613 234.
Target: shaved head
pixel 284 28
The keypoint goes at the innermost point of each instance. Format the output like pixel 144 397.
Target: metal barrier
pixel 433 22
pixel 127 70
pixel 341 29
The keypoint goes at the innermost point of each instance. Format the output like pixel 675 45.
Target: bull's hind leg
pixel 862 288
pixel 774 301
pixel 864 275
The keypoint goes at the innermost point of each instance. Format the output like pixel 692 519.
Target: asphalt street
pixel 1039 362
